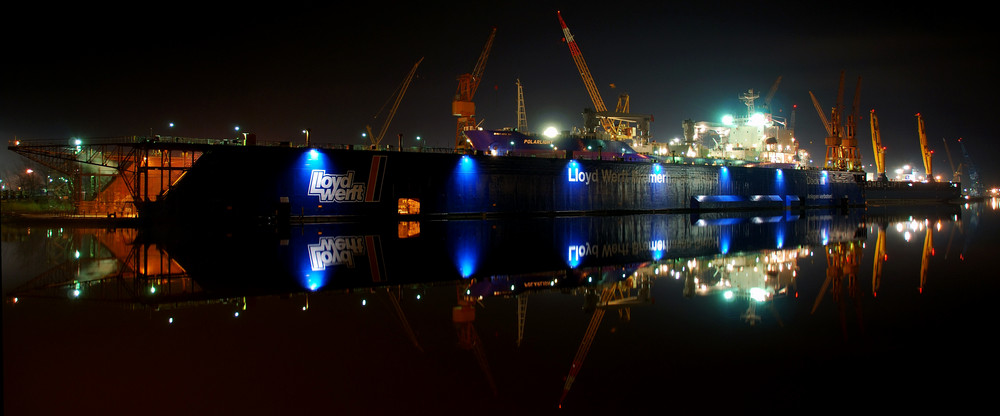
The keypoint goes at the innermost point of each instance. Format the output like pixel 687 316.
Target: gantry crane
pixel 463 107
pixel 392 112
pixel 925 151
pixel 877 148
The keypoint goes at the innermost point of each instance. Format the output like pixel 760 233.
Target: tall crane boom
pixel 463 107
pixel 392 112
pixel 925 151
pixel 588 80
pixel 877 147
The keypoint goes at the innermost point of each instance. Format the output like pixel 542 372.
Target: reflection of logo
pixel 333 187
pixel 335 251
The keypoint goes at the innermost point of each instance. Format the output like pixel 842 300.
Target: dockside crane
pixel 376 139
pixel 877 148
pixel 925 151
pixel 588 81
pixel 852 157
pixel 463 107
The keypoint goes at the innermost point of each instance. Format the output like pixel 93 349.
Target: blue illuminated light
pixel 725 186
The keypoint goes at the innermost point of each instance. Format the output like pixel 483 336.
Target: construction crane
pixel 376 139
pixel 588 81
pixel 522 118
pixel 463 107
pixel 877 148
pixel 925 152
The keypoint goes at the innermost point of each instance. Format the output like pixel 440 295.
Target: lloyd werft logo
pixel 343 187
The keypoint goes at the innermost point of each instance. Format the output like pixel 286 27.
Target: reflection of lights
pixel 758 294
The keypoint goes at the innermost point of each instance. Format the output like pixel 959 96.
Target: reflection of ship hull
pixel 895 192
pixel 250 183
pixel 522 253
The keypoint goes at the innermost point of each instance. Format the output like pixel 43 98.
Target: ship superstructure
pixel 758 137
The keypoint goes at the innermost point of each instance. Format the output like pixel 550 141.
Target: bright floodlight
pixel 727 119
pixel 551 132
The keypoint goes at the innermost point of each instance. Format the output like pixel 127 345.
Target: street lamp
pixel 306 132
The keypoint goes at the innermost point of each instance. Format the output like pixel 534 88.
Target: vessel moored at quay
pixel 254 183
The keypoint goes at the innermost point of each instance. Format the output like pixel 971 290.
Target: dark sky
pixel 100 71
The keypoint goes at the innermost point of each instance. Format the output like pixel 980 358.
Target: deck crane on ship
pixel 463 107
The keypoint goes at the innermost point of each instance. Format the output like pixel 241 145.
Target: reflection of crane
pixel 392 112
pixel 925 151
pixel 614 295
pixel 925 258
pixel 880 258
pixel 843 260
pixel 878 149
pixel 464 316
pixel 398 309
pixel 463 107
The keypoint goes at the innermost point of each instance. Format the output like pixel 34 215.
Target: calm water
pixel 756 313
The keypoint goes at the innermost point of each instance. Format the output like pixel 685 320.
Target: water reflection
pixel 742 263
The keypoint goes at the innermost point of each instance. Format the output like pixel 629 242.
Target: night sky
pixel 274 70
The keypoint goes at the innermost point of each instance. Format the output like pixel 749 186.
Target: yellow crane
pixel 376 139
pixel 925 152
pixel 877 147
pixel 463 107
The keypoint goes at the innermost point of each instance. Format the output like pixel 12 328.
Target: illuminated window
pixel 408 206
